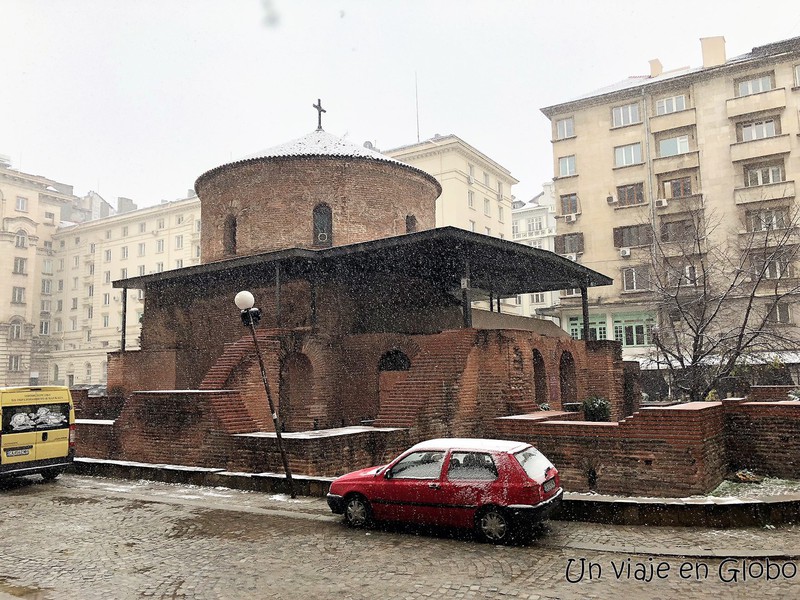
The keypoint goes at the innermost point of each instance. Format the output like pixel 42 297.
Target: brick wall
pixel 764 437
pixel 273 200
pixel 770 393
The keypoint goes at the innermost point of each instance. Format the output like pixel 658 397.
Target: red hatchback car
pixel 493 486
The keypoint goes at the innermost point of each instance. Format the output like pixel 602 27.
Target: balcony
pixel 771 100
pixel 521 235
pixel 676 120
pixel 754 149
pixel 759 193
pixel 666 164
pixel 679 204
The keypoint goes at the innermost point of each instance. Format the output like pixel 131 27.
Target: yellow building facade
pixel 635 161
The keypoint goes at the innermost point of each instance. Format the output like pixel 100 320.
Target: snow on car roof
pixel 471 444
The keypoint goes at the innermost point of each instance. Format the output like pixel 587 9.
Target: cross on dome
pixel 320 110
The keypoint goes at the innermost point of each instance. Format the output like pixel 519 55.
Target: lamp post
pixel 250 317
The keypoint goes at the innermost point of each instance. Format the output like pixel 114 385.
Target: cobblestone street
pixel 84 537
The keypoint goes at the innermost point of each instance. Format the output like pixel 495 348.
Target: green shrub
pixel 712 396
pixel 596 408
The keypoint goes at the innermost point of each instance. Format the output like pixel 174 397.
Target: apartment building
pixel 635 164
pixel 31 208
pixel 86 319
pixel 476 190
pixel 534 224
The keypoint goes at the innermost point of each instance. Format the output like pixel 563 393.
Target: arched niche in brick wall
pixel 567 378
pixel 541 394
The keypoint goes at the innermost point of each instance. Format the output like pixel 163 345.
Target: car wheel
pixel 493 525
pixel 50 474
pixel 356 511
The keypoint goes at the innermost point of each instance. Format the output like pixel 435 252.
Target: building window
pixel 765 220
pixel 142 227
pixel 15 363
pixel 90 269
pixel 106 276
pixel 179 220
pixel 487 207
pixel 486 179
pixel 46 305
pixel 499 190
pixel 568 243
pixel 76 261
pixel 565 128
pixel 633 235
pixel 628 155
pixel 141 270
pixel 22 204
pixel 74 304
pixel 179 263
pixel 107 255
pixel 18 295
pixel 537 298
pixel 629 195
pixel 59 305
pixel 534 224
pixel 106 321
pixel 683 230
pixel 755 84
pixel 47 266
pixel 48 245
pixel 106 299
pixel 47 286
pixel 797 75
pixel 60 264
pixel 92 248
pixel 500 214
pixel 59 326
pixel 763 174
pixel 123 273
pixel 159 267
pixel 780 314
pixel 21 239
pixel 90 290
pixel 15 331
pixel 682 275
pixel 73 323
pixel 566 166
pixel 108 234
pixel 44 327
pixel 142 248
pixel 20 266
pixel 74 283
pixel 625 115
pixel 678 188
pixel 160 223
pixel 197 251
pixel 673 146
pixel 758 130
pixel 665 106
pixel 598 329
pixel 471 199
pixel 773 266
pixel 198 226
pixel 60 285
pixel 515 228
pixel 633 330
pixel 125 231
pixel 472 225
pixel 159 246
pixel 569 204
pixel 322 220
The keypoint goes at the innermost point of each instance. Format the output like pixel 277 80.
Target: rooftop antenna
pixel 320 110
pixel 416 100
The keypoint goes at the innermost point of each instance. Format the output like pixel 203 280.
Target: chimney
pixel 656 68
pixel 713 51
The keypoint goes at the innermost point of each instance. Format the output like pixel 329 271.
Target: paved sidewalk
pixel 697 542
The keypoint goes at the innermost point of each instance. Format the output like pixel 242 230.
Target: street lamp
pixel 250 317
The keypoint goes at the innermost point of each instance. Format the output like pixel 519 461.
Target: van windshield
pixel 35 417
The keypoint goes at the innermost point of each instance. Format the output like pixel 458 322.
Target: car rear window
pixel 35 417
pixel 534 462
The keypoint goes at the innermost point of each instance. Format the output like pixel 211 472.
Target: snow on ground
pixel 770 486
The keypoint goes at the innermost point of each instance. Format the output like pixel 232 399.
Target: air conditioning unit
pixel 570 218
pixel 611 200
pixel 624 252
pixel 661 203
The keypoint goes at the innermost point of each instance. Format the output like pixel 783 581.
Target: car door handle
pixel 434 486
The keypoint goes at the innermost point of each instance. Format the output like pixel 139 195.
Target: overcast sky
pixel 139 98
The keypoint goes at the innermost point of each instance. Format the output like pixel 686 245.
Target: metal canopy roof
pixel 443 256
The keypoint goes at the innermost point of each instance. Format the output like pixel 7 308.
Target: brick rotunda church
pixel 369 330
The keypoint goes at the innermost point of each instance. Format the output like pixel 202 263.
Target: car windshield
pixel 419 465
pixel 534 462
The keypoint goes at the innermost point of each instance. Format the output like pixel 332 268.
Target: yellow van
pixel 38 431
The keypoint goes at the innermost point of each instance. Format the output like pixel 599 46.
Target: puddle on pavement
pixel 21 591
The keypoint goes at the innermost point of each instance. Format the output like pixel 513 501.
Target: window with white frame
pixel 108 234
pixel 92 248
pixel 74 283
pixel 779 314
pixel 76 261
pixel 472 225
pixel 59 326
pixel 636 278
pixel 73 323
pixel 21 239
pixel 74 304
pixel 179 220
pixel 487 207
pixel 47 266
pixel 106 276
pixel 142 227
pixel 515 228
pixel 673 146
pixel 20 265
pixel 537 298
pixel 106 299
pixel 625 115
pixel 46 305
pixel 159 267
pixel 22 204
pixel 671 104
pixel 486 179
pixel 797 75
pixel 471 199
pixel 15 330
pixel 197 250
pixel 107 256
pixel 125 231
pixel 500 214
pixel 15 363
pixel 773 266
pixel 763 174
pixel 566 166
pixel 44 327
pixel 161 223
pixel 598 329
pixel 123 273
pixel 178 242
pixel 487 231
pixel 630 154
pixel 534 224
pixel 142 248
pixel 758 130
pixel 179 263
pixel 755 84
pixel 565 128
pixel 106 320
pixel 47 286
pixel 141 270
pixel 767 219
pixel 18 295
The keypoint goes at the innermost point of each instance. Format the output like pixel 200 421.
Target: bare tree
pixel 721 295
